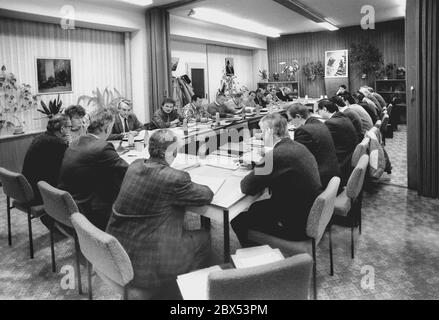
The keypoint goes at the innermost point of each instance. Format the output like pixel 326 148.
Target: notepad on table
pixel 257 256
pixel 213 183
pixel 193 286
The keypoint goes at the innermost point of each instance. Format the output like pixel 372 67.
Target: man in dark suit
pixel 343 134
pixel 352 115
pixel 148 217
pixel 92 171
pixel 125 122
pixel 371 111
pixel 314 135
pixel 44 157
pixel 291 172
pixel 260 98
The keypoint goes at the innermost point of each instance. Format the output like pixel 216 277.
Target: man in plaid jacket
pixel 148 217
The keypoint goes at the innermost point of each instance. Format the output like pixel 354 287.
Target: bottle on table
pixel 185 128
pixel 146 139
pixel 130 139
pixel 243 113
pixel 258 110
pixel 217 119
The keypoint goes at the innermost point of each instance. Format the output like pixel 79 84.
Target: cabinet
pixel 394 91
pixel 293 85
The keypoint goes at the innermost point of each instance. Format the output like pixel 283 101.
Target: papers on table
pixel 230 163
pixel 213 183
pixel 193 286
pixel 256 256
pixel 185 161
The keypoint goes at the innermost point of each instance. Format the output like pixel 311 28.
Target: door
pixel 198 74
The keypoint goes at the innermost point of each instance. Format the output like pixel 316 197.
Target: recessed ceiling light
pixel 142 3
pixel 236 22
pixel 328 26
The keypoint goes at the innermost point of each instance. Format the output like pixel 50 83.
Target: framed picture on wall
pixel 230 68
pixel 54 75
pixel 336 64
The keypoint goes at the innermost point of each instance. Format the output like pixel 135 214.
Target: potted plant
pixel 54 108
pixel 263 74
pixel 14 100
pixel 291 70
pixel 313 69
pixel 390 71
pixel 105 99
pixel 367 58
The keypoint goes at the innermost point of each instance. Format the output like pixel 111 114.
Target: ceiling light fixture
pixel 226 19
pixel 142 3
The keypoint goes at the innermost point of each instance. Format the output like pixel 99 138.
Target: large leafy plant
pixel 14 99
pixel 105 99
pixel 313 69
pixel 54 108
pixel 367 58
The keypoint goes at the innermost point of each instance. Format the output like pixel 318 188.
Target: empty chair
pixel 105 254
pixel 288 279
pixel 17 188
pixel 361 149
pixel 59 205
pixel 348 203
pixel 318 220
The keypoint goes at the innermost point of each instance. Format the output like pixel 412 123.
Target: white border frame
pixel 345 51
pixel 36 76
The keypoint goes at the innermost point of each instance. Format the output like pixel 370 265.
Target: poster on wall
pixel 54 75
pixel 230 69
pixel 336 64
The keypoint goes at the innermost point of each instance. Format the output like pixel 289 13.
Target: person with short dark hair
pixel 92 171
pixel 220 106
pixel 314 135
pixel 284 94
pixel 148 217
pixel 195 110
pixel 167 116
pixel 370 109
pixel 76 113
pixel 352 115
pixel 291 172
pixel 366 120
pixel 260 98
pixel 125 121
pixel 343 134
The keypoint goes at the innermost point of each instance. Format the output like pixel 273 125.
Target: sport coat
pixel 148 220
pixel 93 170
pixel 133 123
pixel 316 137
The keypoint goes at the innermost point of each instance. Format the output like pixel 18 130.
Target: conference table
pixel 222 168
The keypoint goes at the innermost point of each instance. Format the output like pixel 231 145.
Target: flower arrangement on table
pixel 14 99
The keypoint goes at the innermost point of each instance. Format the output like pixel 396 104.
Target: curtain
pixel 426 94
pixel 159 56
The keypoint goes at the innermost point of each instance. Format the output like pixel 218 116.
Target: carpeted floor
pixel 399 244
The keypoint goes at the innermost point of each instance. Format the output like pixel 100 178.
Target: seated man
pixel 343 134
pixel 370 99
pixel 236 102
pixel 92 171
pixel 351 114
pixel 219 106
pixel 195 110
pixel 284 94
pixel 44 157
pixel 366 120
pixel 125 122
pixel 148 217
pixel 292 174
pixel 250 100
pixel 76 114
pixel 342 91
pixel 314 135
pixel 260 98
pixel 371 110
pixel 167 116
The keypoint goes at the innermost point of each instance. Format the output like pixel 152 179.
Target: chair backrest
pixel 361 149
pixel 378 124
pixel 356 180
pixel 389 109
pixel 322 210
pixel 288 279
pixel 58 204
pixel 16 186
pixel 103 251
pixel 385 122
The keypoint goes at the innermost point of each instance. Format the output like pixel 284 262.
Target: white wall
pixel 100 16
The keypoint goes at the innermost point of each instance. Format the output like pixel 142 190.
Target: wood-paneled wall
pixel 309 47
pixel 98 58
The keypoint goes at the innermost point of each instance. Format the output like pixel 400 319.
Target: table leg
pixel 226 236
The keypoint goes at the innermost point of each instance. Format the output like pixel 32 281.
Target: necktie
pixel 127 128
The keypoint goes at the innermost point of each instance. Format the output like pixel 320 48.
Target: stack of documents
pixel 193 286
pixel 256 256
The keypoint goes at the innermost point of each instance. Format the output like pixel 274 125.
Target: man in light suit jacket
pixel 294 181
pixel 148 217
pixel 220 106
pixel 314 135
pixel 125 122
pixel 343 134
pixel 92 171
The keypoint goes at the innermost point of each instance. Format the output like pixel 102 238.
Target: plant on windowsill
pixel 14 100
pixel 367 58
pixel 312 70
pixel 54 108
